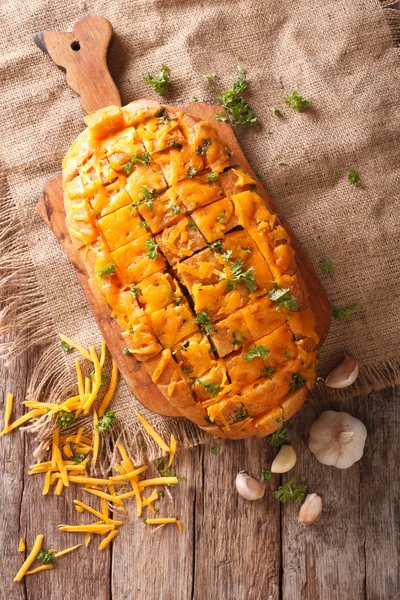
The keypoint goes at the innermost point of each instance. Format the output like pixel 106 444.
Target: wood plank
pixel 351 551
pixel 237 546
pixel 151 564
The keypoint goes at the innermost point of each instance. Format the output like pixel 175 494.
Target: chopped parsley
pixel 202 148
pixel 159 82
pixel 237 339
pixel 192 224
pixel 64 346
pixel 276 111
pixel 238 275
pixel 148 196
pixel 104 377
pixel 135 159
pixel 135 291
pixel 340 314
pixel 279 437
pixel 151 248
pixel 127 350
pixel 217 247
pixel 238 109
pixel 297 381
pixel 265 474
pixel 211 387
pixel 287 355
pixel 214 451
pixel 291 491
pixel 267 372
pixel 46 557
pixel 297 102
pixel 143 225
pixel 283 297
pixel 65 419
pixel 178 301
pixel 174 208
pixel 221 218
pixel 212 177
pixel 106 421
pixel 353 177
pixel 238 414
pixel 326 265
pixel 256 352
pixel 221 116
pixel 78 458
pixel 106 270
pixel 203 321
pixel 175 144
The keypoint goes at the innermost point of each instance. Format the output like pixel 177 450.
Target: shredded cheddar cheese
pixel 96 438
pixel 172 450
pixel 38 569
pixel 21 545
pixel 152 433
pixel 108 539
pixel 66 551
pixel 30 558
pixel 8 410
pixel 77 346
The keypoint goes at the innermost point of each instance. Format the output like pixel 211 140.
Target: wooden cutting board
pixel 83 54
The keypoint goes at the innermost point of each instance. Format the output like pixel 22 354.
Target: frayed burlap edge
pixel 25 312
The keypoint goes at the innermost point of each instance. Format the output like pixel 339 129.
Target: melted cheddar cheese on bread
pixel 201 277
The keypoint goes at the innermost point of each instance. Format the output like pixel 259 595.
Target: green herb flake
pixel 297 381
pixel 202 148
pixel 175 144
pixel 340 314
pixel 203 321
pixel 283 297
pixel 106 421
pixel 191 172
pixel 65 419
pixel 211 387
pixel 174 208
pixel 221 116
pixel 278 438
pixel 192 224
pixel 159 82
pixel 238 274
pixel 64 346
pixel 353 177
pixel 104 377
pixel 291 491
pixel 268 372
pixel 238 109
pixel 78 458
pixel 221 218
pixel 144 159
pixel 143 225
pixel 46 557
pixel 135 291
pixel 276 111
pixel 106 270
pixel 265 475
pixel 214 451
pixel 127 350
pixel 237 339
pixel 212 177
pixel 256 352
pixel 151 248
pixel 297 102
pixel 326 265
pixel 238 414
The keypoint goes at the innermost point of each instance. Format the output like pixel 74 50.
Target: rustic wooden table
pixel 230 549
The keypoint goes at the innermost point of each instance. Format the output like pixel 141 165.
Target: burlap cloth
pixel 337 53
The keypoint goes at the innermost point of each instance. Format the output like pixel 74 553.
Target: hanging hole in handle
pixel 76 46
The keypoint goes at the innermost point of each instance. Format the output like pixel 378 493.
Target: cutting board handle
pixel 83 54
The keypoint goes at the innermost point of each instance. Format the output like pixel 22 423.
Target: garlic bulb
pixel 248 488
pixel 310 510
pixel 284 460
pixel 337 439
pixel 344 375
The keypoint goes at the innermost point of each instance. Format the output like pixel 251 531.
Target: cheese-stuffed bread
pixel 199 274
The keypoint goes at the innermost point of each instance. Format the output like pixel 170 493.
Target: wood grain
pixel 83 54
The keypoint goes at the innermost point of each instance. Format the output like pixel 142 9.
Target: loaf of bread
pixel 200 275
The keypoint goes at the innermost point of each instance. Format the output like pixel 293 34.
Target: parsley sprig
pixel 291 491
pixel 238 109
pixel 64 346
pixel 217 247
pixel 256 352
pixel 203 321
pixel 278 438
pixel 353 177
pixel 238 274
pixel 65 419
pixel 106 270
pixel 151 248
pixel 265 475
pixel 106 421
pixel 46 557
pixel 135 159
pixel 297 381
pixel 211 387
pixel 297 102
pixel 327 265
pixel 340 314
pixel 283 297
pixel 159 82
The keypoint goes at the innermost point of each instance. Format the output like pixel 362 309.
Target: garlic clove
pixel 344 375
pixel 337 439
pixel 248 487
pixel 284 460
pixel 310 510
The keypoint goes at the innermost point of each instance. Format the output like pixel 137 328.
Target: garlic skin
pixel 310 510
pixel 344 375
pixel 337 439
pixel 284 460
pixel 248 487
